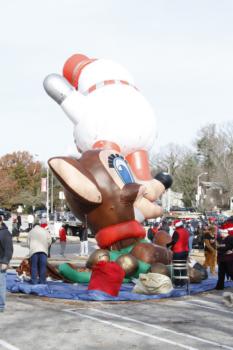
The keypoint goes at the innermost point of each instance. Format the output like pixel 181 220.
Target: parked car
pixel 215 216
pixel 74 225
pixel 5 214
pixel 40 213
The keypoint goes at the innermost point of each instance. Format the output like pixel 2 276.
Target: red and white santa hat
pixel 178 223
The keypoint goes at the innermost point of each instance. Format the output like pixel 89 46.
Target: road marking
pixel 195 303
pixel 162 328
pixel 132 330
pixel 7 345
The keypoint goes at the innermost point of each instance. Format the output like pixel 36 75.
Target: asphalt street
pixel 192 322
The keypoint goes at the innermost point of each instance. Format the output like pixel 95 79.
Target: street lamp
pixel 36 163
pixel 199 188
pixel 168 191
pixel 47 194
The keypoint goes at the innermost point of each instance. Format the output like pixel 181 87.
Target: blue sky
pixel 180 53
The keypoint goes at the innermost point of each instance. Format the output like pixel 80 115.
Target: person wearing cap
pixel 180 241
pixel 39 240
pixel 179 246
pixel 210 249
pixel 6 252
pixel 225 258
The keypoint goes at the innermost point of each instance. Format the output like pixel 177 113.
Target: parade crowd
pixel 185 235
pixel 204 234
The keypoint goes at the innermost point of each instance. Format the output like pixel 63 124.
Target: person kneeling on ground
pixel 39 240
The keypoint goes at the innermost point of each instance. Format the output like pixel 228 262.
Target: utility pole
pixel 199 189
pixel 51 200
pixel 47 195
pixel 168 192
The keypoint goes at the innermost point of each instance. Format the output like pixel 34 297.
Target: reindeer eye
pixel 121 166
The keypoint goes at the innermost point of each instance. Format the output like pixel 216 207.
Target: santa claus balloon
pixel 107 109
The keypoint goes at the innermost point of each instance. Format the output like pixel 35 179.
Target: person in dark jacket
pixel 83 235
pixel 6 252
pixel 152 231
pixel 19 222
pixel 200 236
pixel 225 258
pixel 165 226
pixel 15 231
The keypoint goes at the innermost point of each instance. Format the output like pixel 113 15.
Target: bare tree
pixel 215 146
pixel 169 158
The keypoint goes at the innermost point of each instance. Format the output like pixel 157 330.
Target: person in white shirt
pixel 30 221
pixel 39 240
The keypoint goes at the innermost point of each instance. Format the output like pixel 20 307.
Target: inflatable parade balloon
pixel 107 109
pixel 110 186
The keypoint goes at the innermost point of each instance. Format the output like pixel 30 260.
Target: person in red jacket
pixel 62 236
pixel 179 245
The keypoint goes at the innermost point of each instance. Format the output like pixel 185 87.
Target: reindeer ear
pixel 75 179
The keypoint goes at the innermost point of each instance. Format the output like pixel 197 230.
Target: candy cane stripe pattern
pixel 104 83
